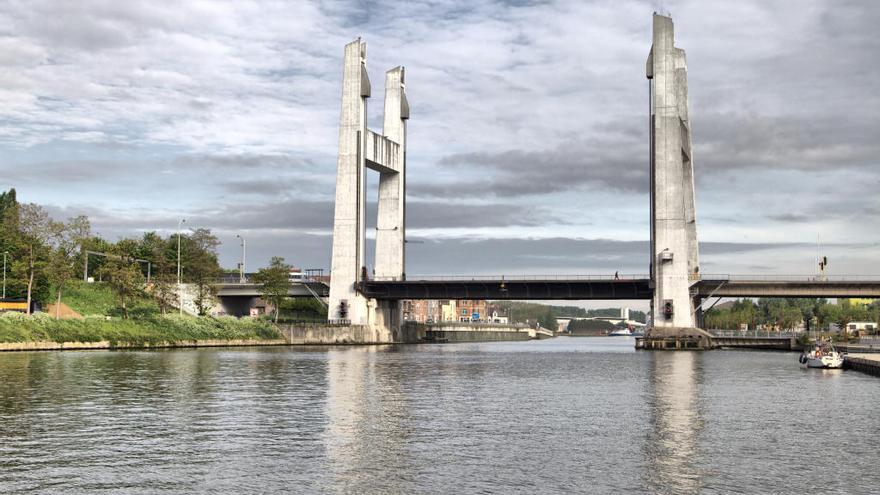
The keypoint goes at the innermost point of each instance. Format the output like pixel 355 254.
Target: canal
pixel 585 415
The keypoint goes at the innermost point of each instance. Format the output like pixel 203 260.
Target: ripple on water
pixel 562 415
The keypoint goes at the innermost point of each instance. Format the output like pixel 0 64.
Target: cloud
pixel 528 118
pixel 614 162
pixel 297 214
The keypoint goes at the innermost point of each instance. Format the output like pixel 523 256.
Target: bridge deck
pixel 608 287
pixel 777 287
pixel 498 288
pixel 297 289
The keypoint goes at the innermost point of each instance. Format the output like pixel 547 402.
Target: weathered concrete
pixel 451 335
pixel 390 224
pixel 747 342
pixel 469 332
pixel 348 334
pixel 674 249
pixel 349 224
pixel 675 338
pixel 360 149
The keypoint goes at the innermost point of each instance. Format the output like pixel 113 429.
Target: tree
pixel 10 242
pixel 65 241
pixel 847 313
pixel 274 282
pixel 305 308
pixel 163 284
pixel 123 273
pixel 202 269
pixel 548 321
pixel 35 229
pixel 826 314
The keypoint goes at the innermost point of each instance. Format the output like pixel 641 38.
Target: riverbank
pixel 41 332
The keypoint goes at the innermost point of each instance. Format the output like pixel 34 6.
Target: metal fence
pixel 754 333
pixel 511 278
pixel 790 278
pixel 630 276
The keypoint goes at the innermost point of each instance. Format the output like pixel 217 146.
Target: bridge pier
pixel 674 248
pixel 361 149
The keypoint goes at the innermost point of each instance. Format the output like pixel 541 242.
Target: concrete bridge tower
pixel 674 249
pixel 361 149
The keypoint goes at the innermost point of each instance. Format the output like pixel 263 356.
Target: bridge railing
pixel 753 333
pixel 479 324
pixel 789 278
pixel 237 281
pixel 512 278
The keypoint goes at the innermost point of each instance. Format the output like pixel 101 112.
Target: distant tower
pixel 674 248
pixel 361 149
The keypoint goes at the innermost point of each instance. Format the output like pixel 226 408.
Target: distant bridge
pixel 609 287
pixel 297 289
pixel 238 299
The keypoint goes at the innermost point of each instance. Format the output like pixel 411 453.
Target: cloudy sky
pixel 527 146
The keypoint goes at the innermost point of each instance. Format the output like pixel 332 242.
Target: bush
pixel 20 328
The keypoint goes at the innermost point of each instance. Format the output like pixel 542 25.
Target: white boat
pixel 822 355
pixel 626 332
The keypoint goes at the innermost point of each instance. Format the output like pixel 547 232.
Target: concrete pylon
pixel 349 225
pixel 361 149
pixel 391 222
pixel 674 247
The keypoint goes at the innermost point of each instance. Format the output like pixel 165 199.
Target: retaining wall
pixel 61 346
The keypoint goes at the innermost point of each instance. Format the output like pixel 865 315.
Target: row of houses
pixel 451 310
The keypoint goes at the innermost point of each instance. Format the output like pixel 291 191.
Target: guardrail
pixel 237 281
pixel 789 278
pixel 511 278
pixel 753 334
pixel 628 276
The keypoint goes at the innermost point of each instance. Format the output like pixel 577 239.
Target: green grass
pixel 15 327
pixel 98 299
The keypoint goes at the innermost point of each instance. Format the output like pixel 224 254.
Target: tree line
pixel 43 255
pixel 791 313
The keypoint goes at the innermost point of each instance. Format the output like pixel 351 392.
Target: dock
pixel 866 363
pixel 784 343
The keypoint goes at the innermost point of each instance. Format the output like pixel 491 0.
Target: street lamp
pixel 179 286
pixel 4 273
pixel 241 278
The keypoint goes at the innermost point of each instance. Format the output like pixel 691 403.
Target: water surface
pixel 587 415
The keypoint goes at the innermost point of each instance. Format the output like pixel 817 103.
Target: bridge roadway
pixel 578 287
pixel 297 289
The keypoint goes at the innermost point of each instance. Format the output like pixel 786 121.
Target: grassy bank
pixel 19 328
pixel 98 299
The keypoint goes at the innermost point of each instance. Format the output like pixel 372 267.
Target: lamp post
pixel 241 269
pixel 179 286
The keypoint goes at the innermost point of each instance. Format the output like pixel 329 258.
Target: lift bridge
pixel 674 284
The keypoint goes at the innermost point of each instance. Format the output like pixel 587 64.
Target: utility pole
pixel 241 269
pixel 179 286
pixel 4 273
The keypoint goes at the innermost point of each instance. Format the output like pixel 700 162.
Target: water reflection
pixel 676 422
pixel 366 415
pixel 557 416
